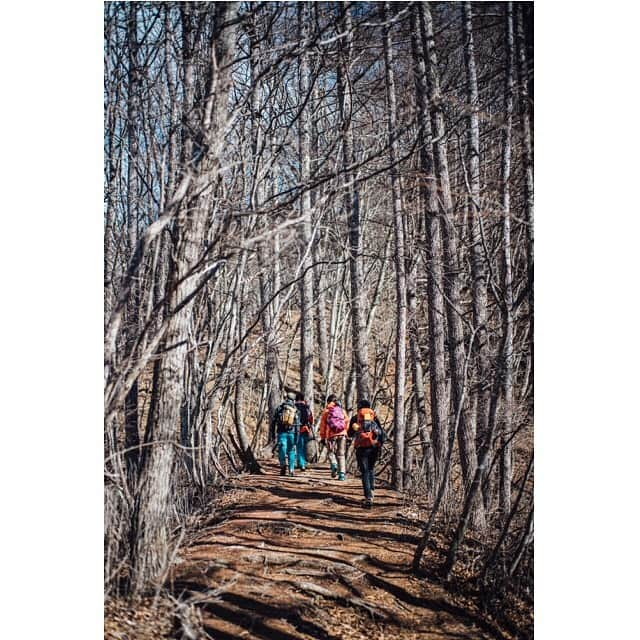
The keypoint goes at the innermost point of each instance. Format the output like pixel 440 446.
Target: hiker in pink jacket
pixel 333 433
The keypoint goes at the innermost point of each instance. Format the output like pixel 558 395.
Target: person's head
pixel 364 404
pixel 290 396
pixel 332 398
pixel 299 396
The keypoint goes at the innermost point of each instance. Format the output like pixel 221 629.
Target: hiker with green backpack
pixel 333 434
pixel 368 437
pixel 286 426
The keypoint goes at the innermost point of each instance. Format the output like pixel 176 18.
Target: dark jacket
pixel 306 426
pixel 276 422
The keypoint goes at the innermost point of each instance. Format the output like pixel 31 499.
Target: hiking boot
pixel 368 503
pixel 341 476
pixel 291 474
pixel 334 470
pixel 283 471
pixel 303 468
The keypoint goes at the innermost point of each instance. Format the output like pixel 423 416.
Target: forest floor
pixel 298 557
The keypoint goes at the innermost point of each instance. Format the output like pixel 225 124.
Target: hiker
pixel 333 434
pixel 286 424
pixel 368 437
pixel 306 429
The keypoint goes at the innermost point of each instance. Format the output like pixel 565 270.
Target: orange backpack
pixel 368 432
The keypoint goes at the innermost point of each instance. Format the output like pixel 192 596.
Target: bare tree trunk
pixel 475 487
pixel 435 302
pixel 401 285
pixel 527 149
pixel 318 272
pixel 424 539
pixel 352 207
pixel 505 528
pixel 306 284
pixel 478 258
pixel 248 457
pixel 336 325
pixel 506 456
pixel 152 517
pixel 267 285
pixel 109 249
pixel 321 315
pixel 273 378
pixel 525 541
pixel 131 434
pixel 164 260
pixel 418 386
pixel 466 436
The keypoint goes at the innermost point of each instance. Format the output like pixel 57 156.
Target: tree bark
pixel 418 385
pixel 306 283
pixel 131 434
pixel 480 473
pixel 352 208
pixel 401 284
pixel 152 516
pixel 506 455
pixel 439 394
pixel 480 399
pixel 249 461
pixel 466 435
pixel 527 150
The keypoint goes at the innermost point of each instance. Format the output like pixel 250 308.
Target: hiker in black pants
pixel 368 437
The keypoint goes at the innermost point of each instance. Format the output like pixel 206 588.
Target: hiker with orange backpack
pixel 333 434
pixel 286 424
pixel 368 437
pixel 306 430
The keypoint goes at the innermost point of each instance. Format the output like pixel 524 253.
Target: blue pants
pixel 287 449
pixel 301 446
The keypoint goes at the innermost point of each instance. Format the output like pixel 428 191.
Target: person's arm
pixel 310 425
pixel 351 431
pixel 323 425
pixel 298 423
pixel 383 435
pixel 274 422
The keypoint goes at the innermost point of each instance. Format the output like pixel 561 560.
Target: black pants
pixel 367 458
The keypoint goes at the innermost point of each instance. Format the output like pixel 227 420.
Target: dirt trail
pixel 299 557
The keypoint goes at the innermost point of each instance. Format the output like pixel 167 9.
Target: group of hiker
pixel 292 427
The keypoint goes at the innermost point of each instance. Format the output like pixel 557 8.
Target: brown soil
pixel 143 619
pixel 294 558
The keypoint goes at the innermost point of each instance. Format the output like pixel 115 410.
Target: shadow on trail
pixel 250 612
pixel 254 615
pixel 432 604
pixel 275 548
pixel 303 494
pixel 365 534
pixel 352 499
pixel 271 507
